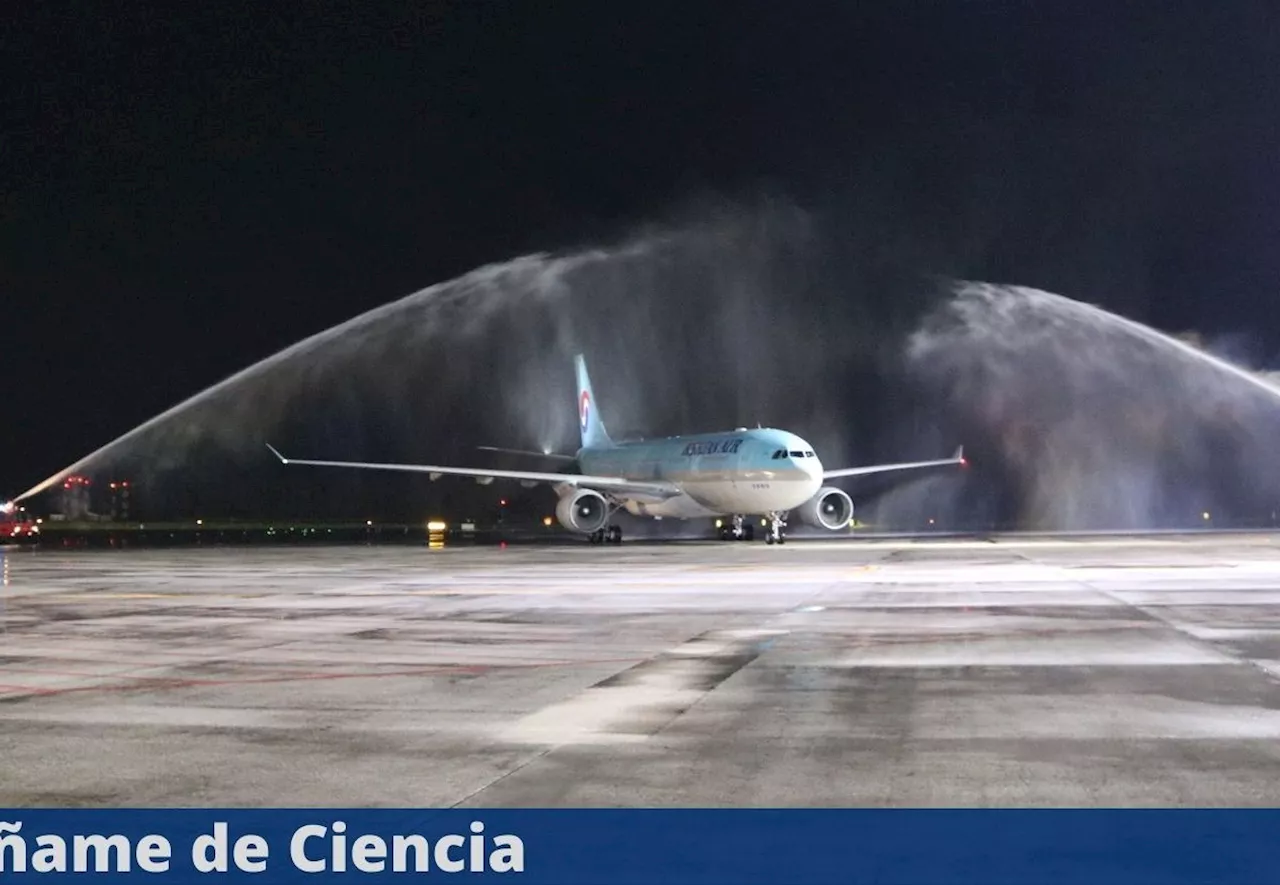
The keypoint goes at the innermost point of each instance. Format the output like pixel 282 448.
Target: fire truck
pixel 16 526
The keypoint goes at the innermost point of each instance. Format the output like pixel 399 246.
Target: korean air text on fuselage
pixel 714 447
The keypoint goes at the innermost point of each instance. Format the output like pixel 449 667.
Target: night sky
pixel 185 193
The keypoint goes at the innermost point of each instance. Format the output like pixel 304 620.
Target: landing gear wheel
pixel 614 534
pixel 596 537
pixel 777 522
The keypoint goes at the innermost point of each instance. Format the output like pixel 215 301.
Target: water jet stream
pixel 1098 421
pixel 533 273
pixel 483 359
pixel 1150 334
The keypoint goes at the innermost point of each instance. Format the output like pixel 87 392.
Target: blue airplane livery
pixel 733 475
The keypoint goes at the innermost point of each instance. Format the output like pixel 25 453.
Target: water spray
pixel 535 274
pixel 1099 421
pixel 485 356
pixel 1151 335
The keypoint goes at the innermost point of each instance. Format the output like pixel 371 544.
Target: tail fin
pixel 594 436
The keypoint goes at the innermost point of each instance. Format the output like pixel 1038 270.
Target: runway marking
pixel 1225 654
pixel 639 702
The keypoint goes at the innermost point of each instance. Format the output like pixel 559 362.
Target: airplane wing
pixel 957 458
pixel 618 484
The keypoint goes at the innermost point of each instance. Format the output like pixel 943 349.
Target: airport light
pixel 1205 515
pixel 199 522
pixel 719 523
pixel 437 525
pixel 546 520
pixel 6 507
pixel 368 522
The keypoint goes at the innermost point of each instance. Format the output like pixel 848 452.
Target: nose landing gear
pixel 777 523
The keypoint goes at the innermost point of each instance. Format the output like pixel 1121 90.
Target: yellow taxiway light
pixel 437 525
pixel 546 520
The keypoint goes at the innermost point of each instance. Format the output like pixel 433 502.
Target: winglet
pixel 958 457
pixel 274 451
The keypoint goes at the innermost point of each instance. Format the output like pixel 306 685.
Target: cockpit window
pixel 781 453
pixel 797 454
pixel 809 454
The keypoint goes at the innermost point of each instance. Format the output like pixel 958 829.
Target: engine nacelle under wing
pixel 583 511
pixel 830 509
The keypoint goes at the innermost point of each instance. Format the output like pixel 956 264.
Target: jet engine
pixel 583 511
pixel 830 509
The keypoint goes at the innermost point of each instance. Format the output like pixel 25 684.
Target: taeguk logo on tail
pixel 584 410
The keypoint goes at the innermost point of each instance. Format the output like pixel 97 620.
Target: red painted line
pixel 155 683
pixel 17 688
pixel 155 651
pixel 269 674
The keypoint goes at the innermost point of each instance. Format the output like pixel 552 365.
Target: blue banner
pixel 709 847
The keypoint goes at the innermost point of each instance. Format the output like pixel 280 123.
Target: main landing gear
pixel 742 529
pixel 610 535
pixel 738 530
pixel 777 523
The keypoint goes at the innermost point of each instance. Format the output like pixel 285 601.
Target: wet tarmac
pixel 1073 671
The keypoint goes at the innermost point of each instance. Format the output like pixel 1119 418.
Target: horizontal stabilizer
pixel 550 456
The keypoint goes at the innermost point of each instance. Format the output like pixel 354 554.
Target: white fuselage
pixel 737 472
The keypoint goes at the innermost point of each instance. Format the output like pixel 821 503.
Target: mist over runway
pixel 1074 670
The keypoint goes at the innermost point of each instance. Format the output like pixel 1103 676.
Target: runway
pixel 1012 671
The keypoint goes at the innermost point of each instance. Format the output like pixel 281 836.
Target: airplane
pixel 733 474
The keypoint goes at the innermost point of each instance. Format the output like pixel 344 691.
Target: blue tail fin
pixel 594 436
